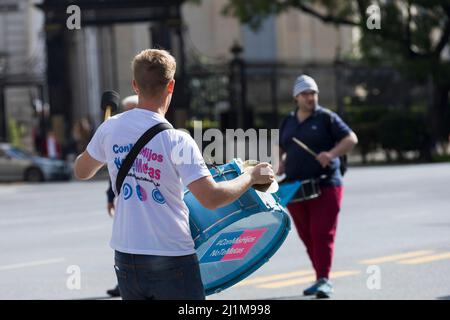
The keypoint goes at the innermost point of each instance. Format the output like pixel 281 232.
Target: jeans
pixel 145 277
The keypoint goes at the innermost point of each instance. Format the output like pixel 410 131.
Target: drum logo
pixel 127 191
pixel 233 245
pixel 158 197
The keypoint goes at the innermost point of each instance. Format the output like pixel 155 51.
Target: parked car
pixel 17 164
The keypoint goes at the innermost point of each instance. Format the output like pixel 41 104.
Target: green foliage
pixel 408 33
pixel 253 12
pixel 363 114
pixel 380 127
pixel 402 132
pixel 412 37
pixel 364 121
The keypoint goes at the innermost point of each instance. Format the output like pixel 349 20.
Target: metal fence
pixel 267 95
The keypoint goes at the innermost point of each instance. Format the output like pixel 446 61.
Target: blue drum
pixel 234 241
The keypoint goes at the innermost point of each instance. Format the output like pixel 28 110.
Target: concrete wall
pixel 130 40
pixel 209 34
pixel 292 36
pixel 22 41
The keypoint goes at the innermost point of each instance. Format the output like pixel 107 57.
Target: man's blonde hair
pixel 152 70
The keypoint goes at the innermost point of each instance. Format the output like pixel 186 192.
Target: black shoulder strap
pixel 131 156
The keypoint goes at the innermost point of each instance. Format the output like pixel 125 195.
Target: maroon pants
pixel 316 222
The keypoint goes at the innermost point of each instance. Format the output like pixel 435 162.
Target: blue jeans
pixel 145 277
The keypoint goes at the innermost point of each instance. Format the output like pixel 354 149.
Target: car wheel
pixel 34 175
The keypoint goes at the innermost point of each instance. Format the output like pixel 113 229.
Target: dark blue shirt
pixel 321 131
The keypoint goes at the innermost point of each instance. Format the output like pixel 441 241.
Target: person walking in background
pixel 329 137
pixel 80 135
pixel 52 146
pixel 128 103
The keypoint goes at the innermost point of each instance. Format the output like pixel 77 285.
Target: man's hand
pixel 262 173
pixel 111 209
pixel 325 158
pixel 344 146
pixel 213 195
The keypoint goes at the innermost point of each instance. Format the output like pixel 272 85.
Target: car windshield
pixel 18 153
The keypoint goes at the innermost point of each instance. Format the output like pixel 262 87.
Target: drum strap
pixel 131 156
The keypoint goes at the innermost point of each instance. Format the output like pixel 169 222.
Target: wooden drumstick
pixel 108 112
pixel 109 103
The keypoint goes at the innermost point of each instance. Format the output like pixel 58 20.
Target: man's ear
pixel 171 86
pixel 135 87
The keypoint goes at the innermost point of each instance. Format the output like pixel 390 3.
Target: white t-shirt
pixel 151 217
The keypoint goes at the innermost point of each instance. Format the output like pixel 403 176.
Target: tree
pixel 412 36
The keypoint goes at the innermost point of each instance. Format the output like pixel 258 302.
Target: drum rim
pixel 273 248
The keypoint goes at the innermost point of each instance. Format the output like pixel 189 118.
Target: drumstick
pixel 304 147
pixel 109 103
pixel 108 112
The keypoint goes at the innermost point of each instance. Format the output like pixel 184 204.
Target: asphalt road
pixel 393 241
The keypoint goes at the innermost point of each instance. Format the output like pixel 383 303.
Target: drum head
pixel 240 249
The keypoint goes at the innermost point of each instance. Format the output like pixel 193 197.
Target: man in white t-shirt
pixel 154 251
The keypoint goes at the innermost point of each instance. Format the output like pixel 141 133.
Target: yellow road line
pixel 396 257
pixel 307 279
pixel 425 259
pixel 287 283
pixel 274 277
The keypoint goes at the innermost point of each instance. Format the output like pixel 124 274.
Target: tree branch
pixel 327 18
pixel 445 37
pixel 408 29
pixel 362 7
pixel 405 41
